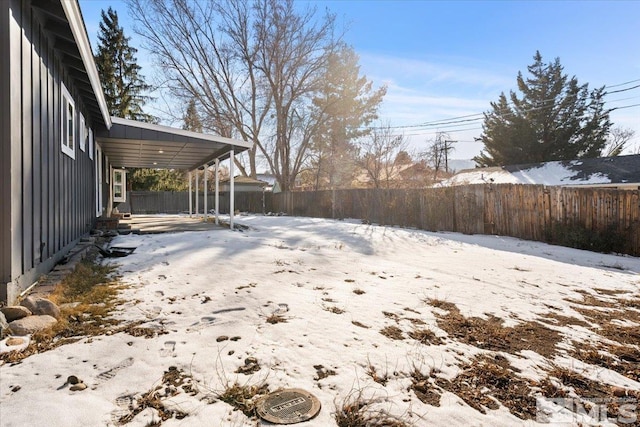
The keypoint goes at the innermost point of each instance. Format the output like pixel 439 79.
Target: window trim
pixel 99 207
pixel 82 127
pixel 91 144
pixel 68 146
pixel 122 183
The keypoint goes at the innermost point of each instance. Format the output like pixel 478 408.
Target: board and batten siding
pixel 48 200
pixel 6 90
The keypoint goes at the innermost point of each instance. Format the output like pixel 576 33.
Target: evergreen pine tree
pixel 345 103
pixel 191 119
pixel 122 84
pixel 555 119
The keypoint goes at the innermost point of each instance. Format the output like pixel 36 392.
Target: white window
pixel 84 134
pixel 91 145
pixel 98 182
pixel 119 185
pixel 68 128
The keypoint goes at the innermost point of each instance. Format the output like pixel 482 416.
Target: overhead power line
pixel 625 83
pixel 626 106
pixel 480 116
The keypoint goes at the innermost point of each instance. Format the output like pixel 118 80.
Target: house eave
pixel 76 23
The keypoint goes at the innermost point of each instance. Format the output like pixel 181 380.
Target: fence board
pixel 524 211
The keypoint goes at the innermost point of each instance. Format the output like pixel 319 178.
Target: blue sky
pixel 446 59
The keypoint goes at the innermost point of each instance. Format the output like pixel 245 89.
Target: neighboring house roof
pixel 244 180
pixel 268 178
pixel 387 173
pixel 620 170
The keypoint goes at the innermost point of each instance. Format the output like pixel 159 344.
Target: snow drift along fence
pixel 590 218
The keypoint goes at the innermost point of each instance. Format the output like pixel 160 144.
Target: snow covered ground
pixel 337 284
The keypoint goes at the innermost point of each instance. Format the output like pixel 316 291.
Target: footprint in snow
pixel 125 404
pixel 153 313
pixel 168 349
pixel 210 320
pixel 108 374
pixel 282 308
pixel 202 323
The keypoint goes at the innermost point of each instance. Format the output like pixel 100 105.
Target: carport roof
pixel 128 143
pixel 134 144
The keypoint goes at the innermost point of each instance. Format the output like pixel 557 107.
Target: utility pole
pixel 446 149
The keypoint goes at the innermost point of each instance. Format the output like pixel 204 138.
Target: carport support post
pixel 190 197
pixel 197 198
pixel 206 166
pixel 217 189
pixel 232 194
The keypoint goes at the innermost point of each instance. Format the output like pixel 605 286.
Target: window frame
pixel 91 144
pixel 67 123
pixel 83 132
pixel 99 206
pixel 123 183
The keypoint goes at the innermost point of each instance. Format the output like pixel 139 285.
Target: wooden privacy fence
pixel 573 216
pixel 565 215
pixel 173 202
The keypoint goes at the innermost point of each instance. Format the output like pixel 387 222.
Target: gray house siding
pixel 5 152
pixel 50 197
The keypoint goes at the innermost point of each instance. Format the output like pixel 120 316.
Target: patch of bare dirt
pixel 392 332
pixel 425 336
pixel 243 397
pixel 358 411
pixel 487 380
pixel 624 360
pixel 424 387
pixel 174 381
pixel 322 372
pixel 276 318
pixel 606 314
pixel 491 334
pixel 560 320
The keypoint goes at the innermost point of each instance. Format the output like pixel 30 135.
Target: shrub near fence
pixel 589 218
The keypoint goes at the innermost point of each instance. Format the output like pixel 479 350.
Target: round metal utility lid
pixel 288 406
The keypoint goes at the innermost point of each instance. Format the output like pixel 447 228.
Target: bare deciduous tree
pixel 378 152
pixel 617 141
pixel 438 153
pixel 252 67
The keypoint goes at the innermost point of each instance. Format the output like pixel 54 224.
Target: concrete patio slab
pixel 151 224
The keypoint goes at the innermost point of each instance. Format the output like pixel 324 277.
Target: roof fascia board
pixel 181 132
pixel 74 17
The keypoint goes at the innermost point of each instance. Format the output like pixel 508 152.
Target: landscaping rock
pixel 13 341
pixel 4 325
pixel 15 312
pixel 41 306
pixel 31 324
pixel 78 387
